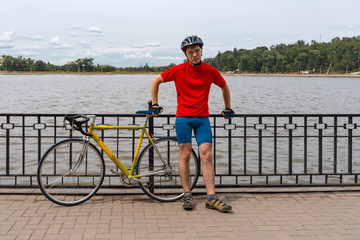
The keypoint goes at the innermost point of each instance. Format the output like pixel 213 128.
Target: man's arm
pixel 226 96
pixel 155 83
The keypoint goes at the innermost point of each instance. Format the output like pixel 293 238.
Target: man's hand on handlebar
pixel 228 113
pixel 157 108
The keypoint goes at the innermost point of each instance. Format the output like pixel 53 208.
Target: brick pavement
pixel 306 215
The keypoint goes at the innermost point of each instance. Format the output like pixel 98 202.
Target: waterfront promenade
pixel 257 214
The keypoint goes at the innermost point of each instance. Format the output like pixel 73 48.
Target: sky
pixel 125 33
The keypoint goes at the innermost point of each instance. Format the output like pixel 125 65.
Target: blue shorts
pixel 201 126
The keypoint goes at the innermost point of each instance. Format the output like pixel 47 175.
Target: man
pixel 193 80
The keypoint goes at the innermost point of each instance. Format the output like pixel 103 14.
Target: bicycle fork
pixel 86 141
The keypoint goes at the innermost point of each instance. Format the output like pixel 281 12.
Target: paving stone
pixel 307 215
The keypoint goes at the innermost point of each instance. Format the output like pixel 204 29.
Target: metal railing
pixel 248 150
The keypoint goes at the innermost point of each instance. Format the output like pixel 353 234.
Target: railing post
pixel 335 145
pixel 305 145
pixel 39 139
pixel 7 147
pixel 260 148
pixel 275 145
pixel 151 150
pixel 290 147
pixel 320 143
pixel 350 136
pixel 229 149
pixel 23 146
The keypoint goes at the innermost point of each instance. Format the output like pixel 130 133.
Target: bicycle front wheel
pixel 70 172
pixel 164 185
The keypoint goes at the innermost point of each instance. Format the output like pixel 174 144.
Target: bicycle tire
pixel 165 187
pixel 64 183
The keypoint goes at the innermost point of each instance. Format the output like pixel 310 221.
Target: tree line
pixel 339 55
pixel 20 64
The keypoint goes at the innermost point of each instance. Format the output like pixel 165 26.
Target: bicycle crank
pixel 127 182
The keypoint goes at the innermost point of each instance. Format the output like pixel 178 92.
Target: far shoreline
pixel 154 73
pixel 289 75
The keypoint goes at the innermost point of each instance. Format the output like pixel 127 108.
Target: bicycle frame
pixel 112 156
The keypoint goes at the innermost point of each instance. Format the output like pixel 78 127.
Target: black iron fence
pixel 248 150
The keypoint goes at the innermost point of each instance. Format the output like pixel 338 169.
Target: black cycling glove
pixel 156 108
pixel 228 113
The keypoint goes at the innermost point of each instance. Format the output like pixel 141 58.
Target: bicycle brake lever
pixel 71 125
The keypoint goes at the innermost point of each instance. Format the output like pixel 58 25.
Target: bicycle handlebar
pixel 148 112
pixel 229 115
pixel 76 122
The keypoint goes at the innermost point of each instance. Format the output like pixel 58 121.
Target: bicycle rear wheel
pixel 66 180
pixel 164 187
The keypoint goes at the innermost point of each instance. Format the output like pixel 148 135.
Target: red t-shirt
pixel 193 87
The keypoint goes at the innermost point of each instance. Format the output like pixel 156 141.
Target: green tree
pixel 314 59
pixel 302 61
pixel 280 63
pixel 30 65
pixel 39 66
pixel 245 63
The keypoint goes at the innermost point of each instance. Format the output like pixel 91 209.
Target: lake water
pixel 128 93
pixel 124 94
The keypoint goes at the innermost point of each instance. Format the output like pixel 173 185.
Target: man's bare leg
pixel 184 170
pixel 209 178
pixel 207 167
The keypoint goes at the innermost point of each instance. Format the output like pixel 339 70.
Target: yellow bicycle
pixel 72 171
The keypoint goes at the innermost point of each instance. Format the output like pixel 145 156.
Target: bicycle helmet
pixel 191 40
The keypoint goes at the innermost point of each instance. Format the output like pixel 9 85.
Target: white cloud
pixel 77 31
pixel 55 41
pixel 138 46
pixel 138 55
pixel 117 50
pixel 351 27
pixel 248 39
pixel 63 46
pixel 94 31
pixel 169 58
pixel 6 45
pixel 153 44
pixel 7 36
pixel 148 44
pixel 112 41
pixel 32 48
pixel 75 27
pixel 32 38
pixel 28 53
pixel 91 54
pixel 55 54
pixel 85 43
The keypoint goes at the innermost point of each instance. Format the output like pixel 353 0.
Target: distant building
pixel 71 63
pixel 307 72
